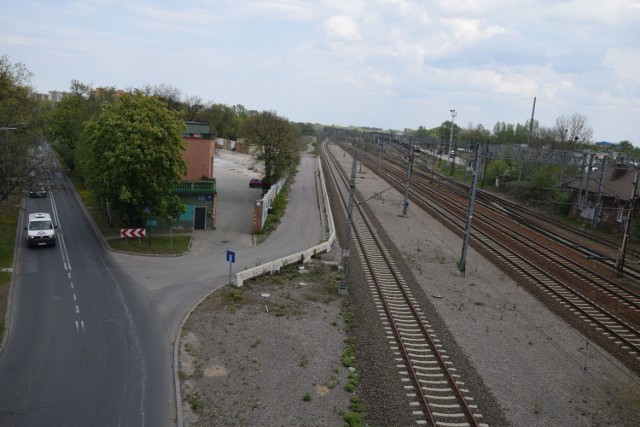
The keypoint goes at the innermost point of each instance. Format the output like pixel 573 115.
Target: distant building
pixel 53 95
pixel 610 199
pixel 607 145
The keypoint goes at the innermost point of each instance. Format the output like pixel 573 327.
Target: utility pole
pixel 408 178
pixel 627 226
pixel 472 196
pixel 596 212
pixel 453 116
pixel 586 185
pixel 345 250
pixel 529 138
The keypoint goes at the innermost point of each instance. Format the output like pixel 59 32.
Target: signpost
pixel 147 210
pixel 133 232
pixel 130 233
pixel 231 258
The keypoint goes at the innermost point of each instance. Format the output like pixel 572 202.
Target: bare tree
pixel 570 131
pixel 192 106
pixel 167 93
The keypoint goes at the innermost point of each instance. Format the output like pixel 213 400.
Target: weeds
pixel 195 401
pixel 355 416
pixel 304 361
pixel 537 406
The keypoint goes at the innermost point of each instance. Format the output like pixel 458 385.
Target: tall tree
pixel 273 139
pixel 69 117
pixel 136 147
pixel 21 122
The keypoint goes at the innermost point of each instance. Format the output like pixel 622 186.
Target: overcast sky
pixel 391 64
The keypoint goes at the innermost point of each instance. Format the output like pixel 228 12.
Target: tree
pixel 21 122
pixel 223 120
pixel 473 134
pixel 167 93
pixel 192 106
pixel 69 117
pixel 570 131
pixel 273 139
pixel 136 146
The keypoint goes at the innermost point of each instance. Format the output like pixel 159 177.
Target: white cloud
pixel 464 30
pixel 625 63
pixel 341 27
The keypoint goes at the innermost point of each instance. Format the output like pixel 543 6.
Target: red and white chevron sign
pixel 133 232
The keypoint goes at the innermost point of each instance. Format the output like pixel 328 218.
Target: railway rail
pixel 579 284
pixel 431 382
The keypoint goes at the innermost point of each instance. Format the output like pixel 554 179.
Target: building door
pixel 200 218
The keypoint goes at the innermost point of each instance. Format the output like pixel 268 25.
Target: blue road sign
pixel 231 256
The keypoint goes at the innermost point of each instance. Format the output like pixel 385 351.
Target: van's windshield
pixel 40 225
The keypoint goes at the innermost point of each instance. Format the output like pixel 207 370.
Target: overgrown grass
pixel 278 207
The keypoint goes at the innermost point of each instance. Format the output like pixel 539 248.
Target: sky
pixel 389 64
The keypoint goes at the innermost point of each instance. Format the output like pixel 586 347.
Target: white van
pixel 41 231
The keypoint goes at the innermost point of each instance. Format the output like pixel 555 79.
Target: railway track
pixel 436 392
pixel 582 291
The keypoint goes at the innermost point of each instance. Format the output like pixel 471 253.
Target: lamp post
pixel 453 116
pixel 12 126
pixel 6 130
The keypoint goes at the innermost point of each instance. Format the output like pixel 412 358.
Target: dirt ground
pixel 268 353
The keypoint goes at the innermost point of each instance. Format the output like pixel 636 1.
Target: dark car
pixel 255 183
pixel 38 191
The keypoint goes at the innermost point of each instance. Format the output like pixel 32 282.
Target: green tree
pixel 69 117
pixel 223 120
pixel 625 147
pixel 136 146
pixel 273 139
pixel 21 123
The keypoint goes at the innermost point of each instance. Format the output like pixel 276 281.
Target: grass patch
pixel 9 213
pixel 355 416
pixel 159 245
pixel 278 207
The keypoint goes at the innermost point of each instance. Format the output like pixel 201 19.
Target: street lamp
pixel 453 116
pixel 7 128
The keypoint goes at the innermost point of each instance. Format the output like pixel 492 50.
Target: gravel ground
pixel 249 356
pixel 250 360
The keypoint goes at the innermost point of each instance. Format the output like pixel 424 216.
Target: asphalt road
pixel 83 346
pixel 91 332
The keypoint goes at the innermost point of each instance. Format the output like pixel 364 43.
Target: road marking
pixel 80 326
pixel 74 297
pixel 77 309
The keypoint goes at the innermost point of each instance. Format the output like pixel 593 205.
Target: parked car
pixel 255 183
pixel 38 191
